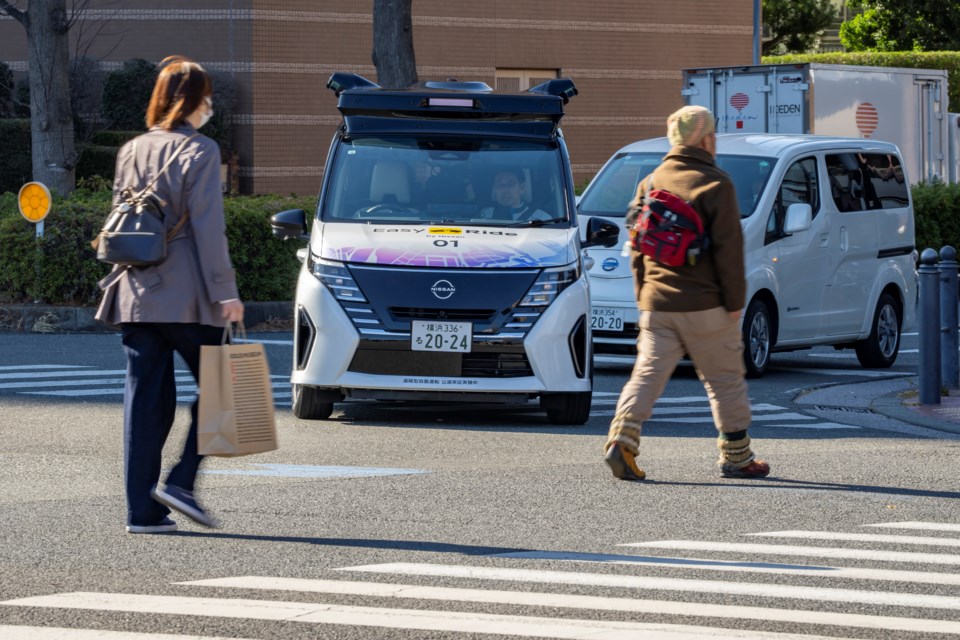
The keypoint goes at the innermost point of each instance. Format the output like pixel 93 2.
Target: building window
pixel 516 80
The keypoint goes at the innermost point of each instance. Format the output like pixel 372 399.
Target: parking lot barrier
pixel 929 312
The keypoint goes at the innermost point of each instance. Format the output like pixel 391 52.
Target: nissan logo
pixel 610 264
pixel 443 289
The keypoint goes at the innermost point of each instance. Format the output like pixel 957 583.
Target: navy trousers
pixel 149 407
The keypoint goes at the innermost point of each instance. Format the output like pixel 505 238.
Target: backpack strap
pixel 183 219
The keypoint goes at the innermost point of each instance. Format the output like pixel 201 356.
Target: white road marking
pixel 287 343
pixel 567 601
pixel 46 384
pixel 61 374
pixel 927 526
pixel 31 367
pixel 426 620
pixel 660 583
pixel 809 552
pixel 865 373
pixel 861 537
pixel 704 564
pixel 11 632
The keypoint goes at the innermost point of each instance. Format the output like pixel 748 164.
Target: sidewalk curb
pixel 891 405
pixel 40 318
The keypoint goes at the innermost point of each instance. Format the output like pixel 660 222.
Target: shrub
pixel 96 160
pixel 68 270
pixel 16 166
pixel 937 208
pixel 126 94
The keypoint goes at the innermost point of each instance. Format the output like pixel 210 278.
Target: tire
pixel 756 331
pixel 567 408
pixel 879 350
pixel 307 406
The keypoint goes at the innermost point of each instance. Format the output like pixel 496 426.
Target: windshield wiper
pixel 536 223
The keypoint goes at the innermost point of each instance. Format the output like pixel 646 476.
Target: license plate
pixel 435 335
pixel 606 319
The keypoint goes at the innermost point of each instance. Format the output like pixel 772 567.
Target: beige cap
pixel 688 125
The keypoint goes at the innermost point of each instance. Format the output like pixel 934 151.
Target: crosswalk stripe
pixel 49 384
pixel 787 550
pixel 61 374
pixel 14 632
pixel 928 526
pixel 701 564
pixel 19 367
pixel 849 372
pixel 567 601
pixel 659 583
pixel 420 619
pixel 861 537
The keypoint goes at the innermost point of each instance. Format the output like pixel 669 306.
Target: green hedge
pixel 97 160
pixel 16 166
pixel 948 60
pixel 937 208
pixel 68 270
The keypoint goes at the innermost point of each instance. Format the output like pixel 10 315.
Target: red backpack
pixel 668 229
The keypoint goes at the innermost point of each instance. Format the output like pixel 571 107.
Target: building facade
pixel 625 57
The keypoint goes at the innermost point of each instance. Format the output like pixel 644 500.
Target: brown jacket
pixel 718 279
pixel 197 273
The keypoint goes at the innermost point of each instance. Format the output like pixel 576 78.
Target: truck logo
pixel 739 100
pixel 443 289
pixel 867 119
pixel 609 264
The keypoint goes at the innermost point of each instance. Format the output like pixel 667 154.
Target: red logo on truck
pixel 867 119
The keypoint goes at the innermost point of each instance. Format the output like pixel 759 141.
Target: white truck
pixel 907 107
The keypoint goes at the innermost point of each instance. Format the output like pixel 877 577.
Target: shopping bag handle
pixel 228 332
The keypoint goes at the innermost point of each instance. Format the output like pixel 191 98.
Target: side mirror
pixel 289 224
pixel 601 232
pixel 799 217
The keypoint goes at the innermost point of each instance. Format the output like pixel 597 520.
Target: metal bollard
pixel 929 313
pixel 950 357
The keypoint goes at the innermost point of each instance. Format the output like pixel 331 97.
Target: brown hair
pixel 180 89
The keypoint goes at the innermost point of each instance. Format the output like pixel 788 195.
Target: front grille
pixel 418 313
pixel 385 358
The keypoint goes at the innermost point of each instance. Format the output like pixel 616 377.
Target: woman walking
pixel 178 305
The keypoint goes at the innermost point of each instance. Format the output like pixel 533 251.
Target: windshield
pixel 432 180
pixel 614 187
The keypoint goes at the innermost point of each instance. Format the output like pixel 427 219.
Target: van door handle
pixel 825 240
pixel 844 239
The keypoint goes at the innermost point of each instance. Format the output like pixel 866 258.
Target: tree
pixel 795 25
pixel 393 43
pixel 902 25
pixel 54 153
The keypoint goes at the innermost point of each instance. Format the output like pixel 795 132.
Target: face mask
pixel 205 118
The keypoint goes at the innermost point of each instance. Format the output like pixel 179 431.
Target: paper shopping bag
pixel 236 413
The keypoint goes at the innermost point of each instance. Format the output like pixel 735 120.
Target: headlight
pixel 335 277
pixel 549 285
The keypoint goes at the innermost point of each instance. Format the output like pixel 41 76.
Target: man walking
pixel 693 309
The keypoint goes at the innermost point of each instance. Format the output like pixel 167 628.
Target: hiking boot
pixel 184 502
pixel 623 464
pixel 756 469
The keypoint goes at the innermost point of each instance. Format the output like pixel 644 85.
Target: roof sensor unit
pixel 562 87
pixel 340 82
pixel 450 102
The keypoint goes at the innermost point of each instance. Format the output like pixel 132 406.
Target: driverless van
pixel 829 244
pixel 444 260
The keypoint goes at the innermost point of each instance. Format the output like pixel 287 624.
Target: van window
pixel 799 185
pixel 866 181
pixel 432 180
pixel 615 186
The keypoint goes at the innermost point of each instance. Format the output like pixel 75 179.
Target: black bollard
pixel 950 357
pixel 929 313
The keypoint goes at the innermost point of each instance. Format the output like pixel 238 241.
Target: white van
pixel 444 261
pixel 829 244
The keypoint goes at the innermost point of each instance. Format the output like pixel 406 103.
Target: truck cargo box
pixel 907 107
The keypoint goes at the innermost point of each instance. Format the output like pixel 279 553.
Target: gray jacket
pixel 197 273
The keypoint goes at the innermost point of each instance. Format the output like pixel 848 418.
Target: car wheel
pixel 756 331
pixel 567 408
pixel 880 349
pixel 307 405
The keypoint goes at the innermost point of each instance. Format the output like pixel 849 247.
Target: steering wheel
pixel 387 206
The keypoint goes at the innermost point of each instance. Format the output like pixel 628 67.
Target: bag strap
pixel 183 145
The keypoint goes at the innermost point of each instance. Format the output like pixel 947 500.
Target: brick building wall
pixel 625 57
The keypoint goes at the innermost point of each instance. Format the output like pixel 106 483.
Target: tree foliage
pixel 902 25
pixel 793 26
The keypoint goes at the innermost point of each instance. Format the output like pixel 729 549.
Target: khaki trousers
pixel 713 342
